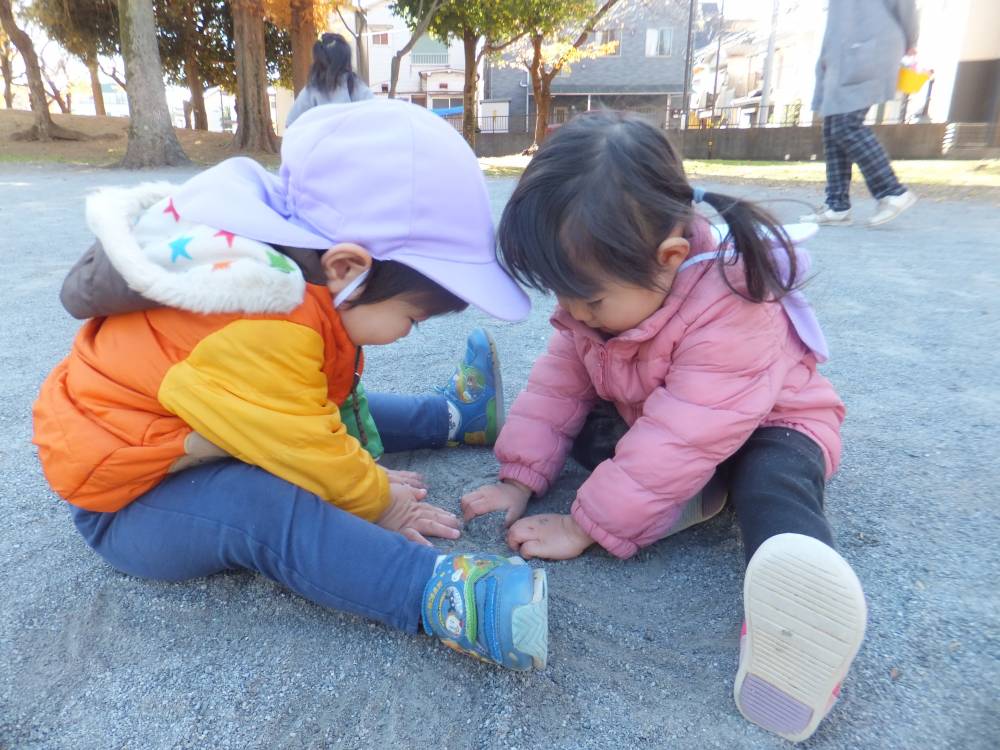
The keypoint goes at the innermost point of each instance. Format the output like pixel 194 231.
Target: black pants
pixel 775 480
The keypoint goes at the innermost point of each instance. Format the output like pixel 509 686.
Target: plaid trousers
pixel 846 139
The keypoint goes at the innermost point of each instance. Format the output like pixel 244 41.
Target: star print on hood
pixel 187 265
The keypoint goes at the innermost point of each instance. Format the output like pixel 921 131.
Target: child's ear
pixel 343 263
pixel 672 252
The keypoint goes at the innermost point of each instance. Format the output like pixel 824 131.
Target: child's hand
pixel 550 535
pixel 409 478
pixel 507 495
pixel 413 518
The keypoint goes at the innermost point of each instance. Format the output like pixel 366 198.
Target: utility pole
pixel 718 53
pixel 765 94
pixel 686 100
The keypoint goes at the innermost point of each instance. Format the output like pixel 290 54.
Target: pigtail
pixel 756 237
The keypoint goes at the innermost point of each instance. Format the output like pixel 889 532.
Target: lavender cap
pixel 387 175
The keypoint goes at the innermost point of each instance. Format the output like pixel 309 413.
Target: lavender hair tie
pixel 697 195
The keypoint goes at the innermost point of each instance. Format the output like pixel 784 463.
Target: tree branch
pixel 588 27
pixel 490 48
pixel 418 31
pixel 593 21
pixel 357 37
pixel 113 75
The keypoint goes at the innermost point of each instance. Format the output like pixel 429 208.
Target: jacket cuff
pixel 622 548
pixel 531 479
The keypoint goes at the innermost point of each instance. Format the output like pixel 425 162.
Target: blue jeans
pixel 408 423
pixel 228 515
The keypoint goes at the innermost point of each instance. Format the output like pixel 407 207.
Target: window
pixel 446 103
pixel 659 42
pixel 381 39
pixel 608 36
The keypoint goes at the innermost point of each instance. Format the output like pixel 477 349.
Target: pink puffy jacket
pixel 693 381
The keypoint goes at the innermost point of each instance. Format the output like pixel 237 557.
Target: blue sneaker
pixel 491 607
pixel 476 392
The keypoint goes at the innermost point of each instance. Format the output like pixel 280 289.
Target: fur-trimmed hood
pixel 167 260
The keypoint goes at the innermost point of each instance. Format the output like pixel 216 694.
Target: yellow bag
pixel 911 80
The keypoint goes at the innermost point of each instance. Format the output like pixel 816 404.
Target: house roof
pixel 617 88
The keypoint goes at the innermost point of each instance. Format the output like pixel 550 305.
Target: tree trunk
pixel 361 34
pixel 469 121
pixel 394 72
pixel 535 70
pixel 57 95
pixel 8 73
pixel 253 109
pixel 303 34
pixel 95 87
pixel 152 141
pixel 543 102
pixel 193 76
pixel 44 127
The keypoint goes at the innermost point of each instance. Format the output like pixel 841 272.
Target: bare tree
pixel 152 141
pixel 43 129
pixel 360 34
pixel 48 72
pixel 425 12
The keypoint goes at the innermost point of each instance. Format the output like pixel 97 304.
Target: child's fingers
pixel 531 549
pixel 469 502
pixel 478 503
pixel 430 527
pixel 520 533
pixel 440 515
pixel 415 536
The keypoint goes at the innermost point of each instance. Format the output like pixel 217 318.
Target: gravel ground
pixel 642 652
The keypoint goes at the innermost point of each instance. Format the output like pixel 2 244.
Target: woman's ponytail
pixel 331 60
pixel 756 237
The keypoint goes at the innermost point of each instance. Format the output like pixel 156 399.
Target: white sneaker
pixel 826 215
pixel 805 620
pixel 892 206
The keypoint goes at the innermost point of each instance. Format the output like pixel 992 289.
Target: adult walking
pixel 331 78
pixel 858 66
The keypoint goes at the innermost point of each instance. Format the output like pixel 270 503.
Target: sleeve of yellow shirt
pixel 257 390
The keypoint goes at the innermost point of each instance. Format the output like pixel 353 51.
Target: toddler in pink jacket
pixel 682 372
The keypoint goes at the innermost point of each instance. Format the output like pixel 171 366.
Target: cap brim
pixel 484 285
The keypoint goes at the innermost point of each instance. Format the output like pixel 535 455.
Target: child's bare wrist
pixel 517 485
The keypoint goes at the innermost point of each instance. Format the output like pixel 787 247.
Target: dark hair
pixel 600 196
pixel 389 278
pixel 331 60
